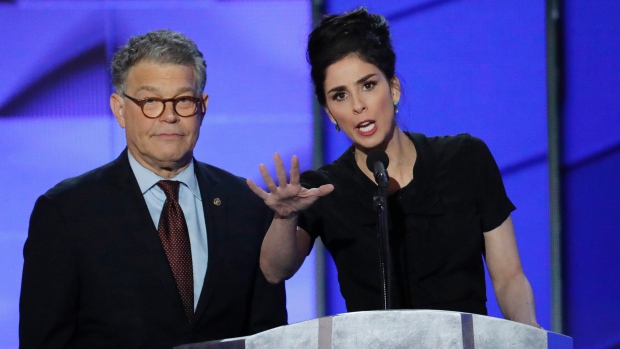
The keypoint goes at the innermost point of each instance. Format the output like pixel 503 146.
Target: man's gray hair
pixel 159 46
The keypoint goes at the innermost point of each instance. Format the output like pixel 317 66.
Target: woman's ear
pixel 330 116
pixel 395 88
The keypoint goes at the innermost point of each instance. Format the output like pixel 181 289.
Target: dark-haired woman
pixel 447 203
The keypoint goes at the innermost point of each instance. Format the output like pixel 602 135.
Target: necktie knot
pixel 170 188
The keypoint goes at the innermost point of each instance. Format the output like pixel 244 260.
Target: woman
pixel 447 203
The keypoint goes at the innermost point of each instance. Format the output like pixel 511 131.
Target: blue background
pixel 475 66
pixel 591 167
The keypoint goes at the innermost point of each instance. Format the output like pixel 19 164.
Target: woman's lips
pixel 366 128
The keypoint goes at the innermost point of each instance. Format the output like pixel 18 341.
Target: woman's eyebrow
pixel 358 82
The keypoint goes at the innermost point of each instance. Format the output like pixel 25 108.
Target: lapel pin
pixel 217 201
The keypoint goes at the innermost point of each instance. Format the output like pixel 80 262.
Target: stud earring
pixel 395 107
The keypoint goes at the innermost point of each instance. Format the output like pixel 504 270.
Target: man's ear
pixel 395 88
pixel 205 104
pixel 117 104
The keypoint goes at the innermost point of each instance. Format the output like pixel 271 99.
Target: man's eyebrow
pixel 155 89
pixel 185 89
pixel 147 88
pixel 359 81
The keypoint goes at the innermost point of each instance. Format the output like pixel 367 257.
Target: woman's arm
pixel 285 245
pixel 284 249
pixel 512 289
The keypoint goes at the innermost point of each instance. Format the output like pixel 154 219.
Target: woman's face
pixel 361 99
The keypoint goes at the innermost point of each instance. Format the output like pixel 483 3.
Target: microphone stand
pixel 385 257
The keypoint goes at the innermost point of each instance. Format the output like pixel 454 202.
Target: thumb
pixel 325 189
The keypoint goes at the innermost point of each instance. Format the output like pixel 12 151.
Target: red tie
pixel 175 239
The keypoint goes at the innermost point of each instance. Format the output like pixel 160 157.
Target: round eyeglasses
pixel 153 107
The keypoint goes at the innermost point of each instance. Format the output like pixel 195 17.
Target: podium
pixel 398 329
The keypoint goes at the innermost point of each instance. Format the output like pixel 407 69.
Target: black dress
pixel 436 225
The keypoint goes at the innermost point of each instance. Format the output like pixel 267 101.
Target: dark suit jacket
pixel 96 275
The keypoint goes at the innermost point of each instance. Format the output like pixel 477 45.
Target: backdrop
pixel 475 66
pixel 591 164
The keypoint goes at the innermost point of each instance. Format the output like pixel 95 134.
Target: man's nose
pixel 169 114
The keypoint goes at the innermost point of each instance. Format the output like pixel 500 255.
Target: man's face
pixel 164 144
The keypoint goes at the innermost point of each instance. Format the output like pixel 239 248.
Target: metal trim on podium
pixel 398 329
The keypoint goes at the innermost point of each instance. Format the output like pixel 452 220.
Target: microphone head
pixel 377 155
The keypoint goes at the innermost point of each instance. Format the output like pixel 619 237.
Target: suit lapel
pixel 137 223
pixel 214 201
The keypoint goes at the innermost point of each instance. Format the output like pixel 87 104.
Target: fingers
pixel 256 189
pixel 294 170
pixel 316 193
pixel 271 185
pixel 320 191
pixel 280 171
pixel 325 189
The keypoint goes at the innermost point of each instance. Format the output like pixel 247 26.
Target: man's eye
pixel 149 100
pixel 185 101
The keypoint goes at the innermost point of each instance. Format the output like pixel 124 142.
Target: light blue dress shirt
pixel 191 204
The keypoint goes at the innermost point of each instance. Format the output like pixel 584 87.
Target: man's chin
pixel 175 160
pixel 169 161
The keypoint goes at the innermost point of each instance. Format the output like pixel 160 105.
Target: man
pixel 154 249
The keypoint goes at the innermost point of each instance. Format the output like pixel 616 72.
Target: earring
pixel 395 107
pixel 336 124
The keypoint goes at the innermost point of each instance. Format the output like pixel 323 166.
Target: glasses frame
pixel 141 102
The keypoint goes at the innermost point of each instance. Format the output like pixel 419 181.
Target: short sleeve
pixel 495 206
pixel 311 219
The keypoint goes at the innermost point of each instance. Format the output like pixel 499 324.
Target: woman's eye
pixel 339 96
pixel 369 85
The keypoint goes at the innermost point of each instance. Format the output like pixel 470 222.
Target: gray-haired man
pixel 154 249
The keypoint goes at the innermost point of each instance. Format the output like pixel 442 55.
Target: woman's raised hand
pixel 287 199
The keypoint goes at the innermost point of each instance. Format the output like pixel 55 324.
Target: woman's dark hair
pixel 357 32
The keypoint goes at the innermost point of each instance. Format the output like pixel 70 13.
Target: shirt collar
pixel 147 179
pixel 422 192
pixel 424 168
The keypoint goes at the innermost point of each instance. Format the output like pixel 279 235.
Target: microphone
pixel 377 162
